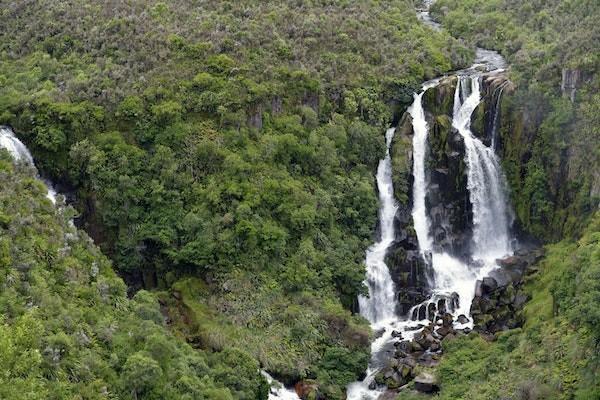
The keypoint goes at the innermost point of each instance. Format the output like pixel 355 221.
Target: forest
pixel 216 166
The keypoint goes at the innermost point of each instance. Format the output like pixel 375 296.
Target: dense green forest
pixel 219 158
pixel 67 328
pixel 222 154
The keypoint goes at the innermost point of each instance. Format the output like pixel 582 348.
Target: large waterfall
pixel 453 279
pixel 486 183
pixel 419 212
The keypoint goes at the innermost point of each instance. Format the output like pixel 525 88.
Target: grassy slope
pixel 555 354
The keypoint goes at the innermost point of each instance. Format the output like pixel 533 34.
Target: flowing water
pixel 278 391
pixel 20 153
pixel 379 306
pixel 486 182
pixel 453 279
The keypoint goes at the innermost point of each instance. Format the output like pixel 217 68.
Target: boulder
pixel 307 389
pixel 488 285
pixel 462 319
pixel 445 331
pixel 396 334
pixel 426 383
pixel 447 320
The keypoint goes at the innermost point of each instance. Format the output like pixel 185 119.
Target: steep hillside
pixel 550 132
pixel 222 152
pixel 67 328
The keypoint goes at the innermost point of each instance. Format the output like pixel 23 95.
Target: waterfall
pixel 380 305
pixel 278 391
pixel 495 121
pixel 486 182
pixel 20 153
pixel 453 280
pixel 419 213
pixel 17 150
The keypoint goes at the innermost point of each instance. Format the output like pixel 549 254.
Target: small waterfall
pixel 380 305
pixel 495 121
pixel 20 153
pixel 486 182
pixel 278 391
pixel 17 150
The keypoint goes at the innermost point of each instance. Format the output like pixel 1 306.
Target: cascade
pixel 495 120
pixel 486 182
pixel 453 280
pixel 419 212
pixel 278 391
pixel 380 304
pixel 20 153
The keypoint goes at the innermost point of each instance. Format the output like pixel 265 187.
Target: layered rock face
pixel 403 259
pixel 447 199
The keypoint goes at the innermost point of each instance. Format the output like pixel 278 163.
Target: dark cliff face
pixel 447 200
pixel 406 265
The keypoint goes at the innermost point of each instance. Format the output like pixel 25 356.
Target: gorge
pixel 300 200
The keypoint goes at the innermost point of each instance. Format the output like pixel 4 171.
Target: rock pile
pixel 499 300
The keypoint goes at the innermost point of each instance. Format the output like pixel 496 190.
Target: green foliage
pixel 68 329
pixel 550 140
pixel 555 355
pixel 232 143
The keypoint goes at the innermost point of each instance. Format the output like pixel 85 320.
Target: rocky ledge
pixel 497 306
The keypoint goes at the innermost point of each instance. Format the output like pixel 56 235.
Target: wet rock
pixel 431 310
pixel 422 312
pixel 488 285
pixel 498 300
pixel 426 383
pixel 462 319
pixel 445 331
pixel 396 334
pixel 435 346
pixel 379 333
pixel 391 378
pixel 454 301
pixel 447 320
pixel 441 306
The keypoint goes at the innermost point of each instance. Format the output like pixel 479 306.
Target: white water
pixel 486 182
pixel 419 213
pixel 21 153
pixel 491 236
pixel 278 391
pixel 379 307
pixel 380 304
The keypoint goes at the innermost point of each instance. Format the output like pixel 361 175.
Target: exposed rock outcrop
pixel 499 298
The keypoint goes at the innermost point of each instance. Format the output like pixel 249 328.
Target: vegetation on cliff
pixel 222 153
pixel 550 124
pixel 555 354
pixel 67 328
